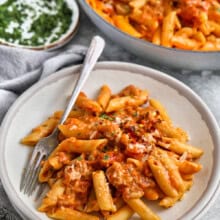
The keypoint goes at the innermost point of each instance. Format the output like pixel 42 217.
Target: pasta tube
pixel 123 213
pixel 142 210
pixel 102 191
pixel 104 96
pixel 64 213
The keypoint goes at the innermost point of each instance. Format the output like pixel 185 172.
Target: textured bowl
pixel 174 58
pixel 64 39
pixel 185 108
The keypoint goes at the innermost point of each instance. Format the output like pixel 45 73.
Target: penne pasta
pixel 92 204
pixel 168 202
pixel 164 22
pixel 188 167
pixel 59 160
pixel 157 37
pixel 83 102
pixel 46 128
pixel 71 145
pixel 74 145
pixel 64 213
pixel 114 152
pixel 75 128
pixel 118 103
pixel 123 213
pixel 151 193
pixel 162 177
pixel 52 196
pixel 104 96
pixel 141 208
pixel 168 29
pixel 172 170
pixel 185 43
pixel 122 23
pixel 168 130
pixel 181 148
pixel 157 105
pixel 40 131
pixel 102 191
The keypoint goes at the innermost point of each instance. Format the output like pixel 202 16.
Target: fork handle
pixel 94 51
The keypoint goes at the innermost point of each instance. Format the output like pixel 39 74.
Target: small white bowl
pixel 64 39
pixel 186 109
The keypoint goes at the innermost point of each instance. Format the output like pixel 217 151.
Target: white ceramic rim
pixel 64 39
pixel 209 195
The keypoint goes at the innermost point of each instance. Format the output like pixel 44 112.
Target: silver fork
pixel 45 146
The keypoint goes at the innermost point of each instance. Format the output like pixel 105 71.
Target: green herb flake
pixel 135 114
pixel 106 157
pixel 79 158
pixel 107 117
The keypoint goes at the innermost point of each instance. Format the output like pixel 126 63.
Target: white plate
pixel 64 39
pixel 184 106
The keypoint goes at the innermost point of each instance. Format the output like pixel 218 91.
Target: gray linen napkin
pixel 20 68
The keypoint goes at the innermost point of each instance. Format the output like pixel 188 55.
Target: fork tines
pixel 30 176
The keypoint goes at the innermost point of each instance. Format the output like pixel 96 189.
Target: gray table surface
pixel 205 84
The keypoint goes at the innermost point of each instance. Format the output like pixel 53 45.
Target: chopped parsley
pixel 107 117
pixel 135 114
pixel 106 157
pixel 79 158
pixel 33 23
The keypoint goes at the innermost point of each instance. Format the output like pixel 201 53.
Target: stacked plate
pixel 186 109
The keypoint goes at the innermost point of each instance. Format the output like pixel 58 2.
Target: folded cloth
pixel 21 68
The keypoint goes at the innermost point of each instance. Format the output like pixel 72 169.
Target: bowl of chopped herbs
pixel 38 24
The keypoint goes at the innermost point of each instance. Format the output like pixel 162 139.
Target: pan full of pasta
pixel 140 150
pixel 182 34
